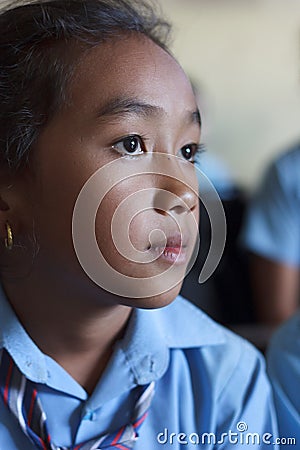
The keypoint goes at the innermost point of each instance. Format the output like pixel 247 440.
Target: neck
pixel 76 333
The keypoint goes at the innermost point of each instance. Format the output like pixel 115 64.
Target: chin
pixel 157 301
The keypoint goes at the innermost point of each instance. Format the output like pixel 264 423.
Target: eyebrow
pixel 196 117
pixel 122 106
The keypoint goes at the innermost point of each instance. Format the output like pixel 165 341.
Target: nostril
pixel 161 211
pixel 180 209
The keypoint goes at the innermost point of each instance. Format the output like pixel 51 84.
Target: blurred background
pixel 245 55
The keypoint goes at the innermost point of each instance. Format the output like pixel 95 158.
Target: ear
pixel 15 203
pixel 3 205
pixel 8 206
pixel 5 214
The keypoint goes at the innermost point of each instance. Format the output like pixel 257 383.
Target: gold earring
pixel 9 239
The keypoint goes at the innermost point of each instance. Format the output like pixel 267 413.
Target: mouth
pixel 173 252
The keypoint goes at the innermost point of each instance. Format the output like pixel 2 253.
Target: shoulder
pixel 283 357
pixel 182 332
pixel 190 328
pixel 272 222
pixel 222 366
pixel 220 376
pixel 284 348
pixel 287 335
pixel 283 364
pixel 284 171
pixel 288 158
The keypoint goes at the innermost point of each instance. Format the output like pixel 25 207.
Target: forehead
pixel 133 66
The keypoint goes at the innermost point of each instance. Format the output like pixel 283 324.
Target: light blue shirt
pixel 272 225
pixel 207 380
pixel 284 370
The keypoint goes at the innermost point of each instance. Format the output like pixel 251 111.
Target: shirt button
pixel 90 415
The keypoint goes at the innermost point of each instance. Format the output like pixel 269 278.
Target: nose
pixel 175 194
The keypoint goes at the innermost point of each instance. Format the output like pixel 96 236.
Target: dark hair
pixel 36 58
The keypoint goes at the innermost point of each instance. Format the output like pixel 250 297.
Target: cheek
pixel 122 226
pixel 141 227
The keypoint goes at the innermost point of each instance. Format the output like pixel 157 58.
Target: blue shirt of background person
pixel 284 371
pixel 272 234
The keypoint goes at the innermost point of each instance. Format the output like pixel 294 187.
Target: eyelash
pixel 130 139
pixel 140 140
pixel 197 150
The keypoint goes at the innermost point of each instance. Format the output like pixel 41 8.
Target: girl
pixel 94 108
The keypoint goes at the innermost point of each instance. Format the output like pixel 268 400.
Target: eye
pixel 190 151
pixel 130 145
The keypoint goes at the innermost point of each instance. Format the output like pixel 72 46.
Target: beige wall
pixel 246 54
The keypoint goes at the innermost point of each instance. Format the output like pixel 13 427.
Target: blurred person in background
pixel 271 234
pixel 284 372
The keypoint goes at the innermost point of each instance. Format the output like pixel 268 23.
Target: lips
pixel 174 241
pixel 174 251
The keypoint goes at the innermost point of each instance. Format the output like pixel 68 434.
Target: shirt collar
pixel 145 348
pixel 143 355
pixel 151 333
pixel 27 356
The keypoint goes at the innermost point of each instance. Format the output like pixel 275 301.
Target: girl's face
pixel 130 110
